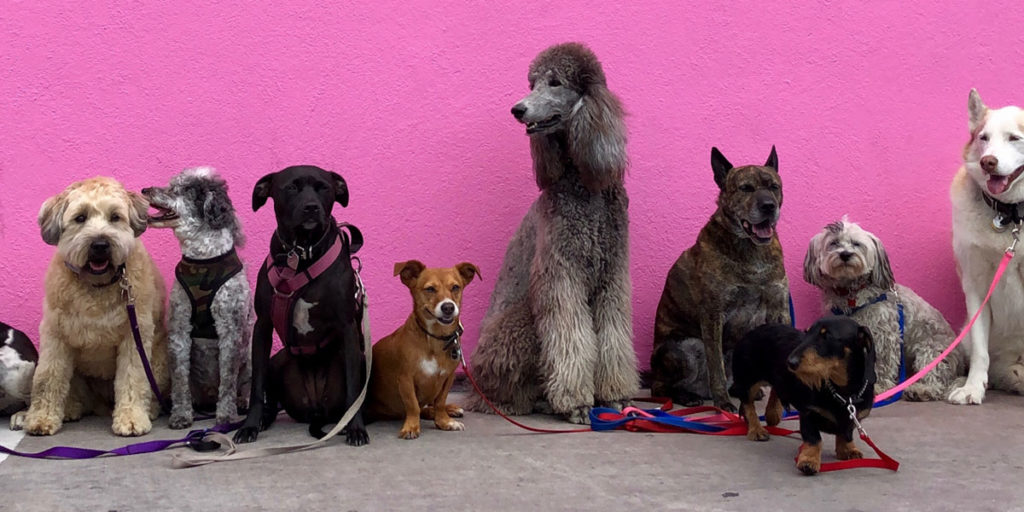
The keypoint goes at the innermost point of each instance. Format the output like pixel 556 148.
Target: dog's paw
pixel 967 394
pixel 18 420
pixel 450 425
pixel 921 392
pixel 247 434
pixel 455 411
pixel 180 421
pixel 618 405
pixel 409 431
pixel 37 424
pixel 131 422
pixel 579 415
pixel 808 467
pixel 726 406
pixel 758 434
pixel 848 452
pixel 356 436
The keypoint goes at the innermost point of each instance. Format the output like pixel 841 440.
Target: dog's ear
pixel 773 160
pixel 597 138
pixel 812 261
pixel 261 192
pixel 340 189
pixel 467 271
pixel 138 212
pixel 217 209
pixel 50 215
pixel 410 271
pixel 977 110
pixel 720 166
pixel 881 274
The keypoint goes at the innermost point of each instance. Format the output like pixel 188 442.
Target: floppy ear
pixel 340 190
pixel 410 271
pixel 217 209
pixel 597 138
pixel 138 212
pixel 261 192
pixel 976 110
pixel 50 214
pixel 812 261
pixel 720 166
pixel 773 160
pixel 881 274
pixel 467 271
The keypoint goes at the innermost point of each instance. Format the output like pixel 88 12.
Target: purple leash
pixel 133 320
pixel 193 439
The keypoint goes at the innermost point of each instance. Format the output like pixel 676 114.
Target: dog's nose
pixel 447 309
pixel 147 190
pixel 311 208
pixel 793 361
pixel 766 207
pixel 989 163
pixel 519 110
pixel 99 248
pixel 845 255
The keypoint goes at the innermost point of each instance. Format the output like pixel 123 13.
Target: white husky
pixel 988 200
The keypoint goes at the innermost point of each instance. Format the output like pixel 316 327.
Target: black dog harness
pixel 201 280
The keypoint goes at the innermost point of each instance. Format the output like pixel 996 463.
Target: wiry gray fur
pixel 206 371
pixel 558 333
pixel 863 277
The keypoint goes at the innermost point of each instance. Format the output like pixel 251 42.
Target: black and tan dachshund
pixel 819 372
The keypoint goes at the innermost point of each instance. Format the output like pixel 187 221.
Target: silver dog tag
pixel 997 224
pixel 293 260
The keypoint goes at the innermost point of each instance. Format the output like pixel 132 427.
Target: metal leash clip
pixel 1016 238
pixel 126 290
pixel 853 416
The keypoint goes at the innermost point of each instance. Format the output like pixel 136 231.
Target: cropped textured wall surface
pixel 410 102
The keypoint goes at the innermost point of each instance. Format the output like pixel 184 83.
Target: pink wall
pixel 410 102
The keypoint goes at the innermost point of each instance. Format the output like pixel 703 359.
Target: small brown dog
pixel 414 367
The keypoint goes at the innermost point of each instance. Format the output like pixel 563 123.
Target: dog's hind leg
pixel 773 411
pixel 936 384
pixel 616 379
pixel 180 345
pixel 230 317
pixel 680 371
pixel 755 432
pixel 504 363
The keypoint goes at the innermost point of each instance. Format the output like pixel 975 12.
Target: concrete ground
pixel 953 458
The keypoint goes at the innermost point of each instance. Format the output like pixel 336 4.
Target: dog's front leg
pixel 50 384
pixel 973 391
pixel 132 393
pixel 845 448
pixel 261 344
pixel 407 391
pixel 180 338
pixel 616 379
pixel 711 334
pixel 442 420
pixel 352 345
pixel 808 461
pixel 230 324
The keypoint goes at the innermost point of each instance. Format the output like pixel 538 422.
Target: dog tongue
pixel 998 184
pixel 98 267
pixel 763 230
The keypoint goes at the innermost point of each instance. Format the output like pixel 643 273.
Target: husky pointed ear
pixel 720 166
pixel 773 160
pixel 881 274
pixel 410 271
pixel 261 192
pixel 977 110
pixel 812 260
pixel 50 214
pixel 597 138
pixel 340 190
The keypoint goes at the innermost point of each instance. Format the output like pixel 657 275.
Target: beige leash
pixel 191 460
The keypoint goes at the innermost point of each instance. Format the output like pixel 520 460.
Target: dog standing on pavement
pixel 988 202
pixel 210 302
pixel 818 372
pixel 85 332
pixel 320 371
pixel 414 367
pixel 730 281
pixel 851 267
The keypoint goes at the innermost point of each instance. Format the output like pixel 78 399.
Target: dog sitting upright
pixel 18 359
pixel 210 303
pixel 319 373
pixel 414 367
pixel 819 373
pixel 731 280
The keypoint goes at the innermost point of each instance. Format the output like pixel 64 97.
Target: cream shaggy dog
pixel 851 267
pixel 85 332
pixel 988 199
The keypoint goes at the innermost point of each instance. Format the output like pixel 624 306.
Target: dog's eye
pixel 319 187
pixel 430 289
pixel 455 288
pixel 80 219
pixel 747 188
pixel 1014 138
pixel 856 244
pixel 983 137
pixel 774 186
pixel 554 82
pixel 115 218
pixel 291 187
pixel 833 244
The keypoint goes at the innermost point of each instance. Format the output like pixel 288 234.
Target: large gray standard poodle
pixel 558 333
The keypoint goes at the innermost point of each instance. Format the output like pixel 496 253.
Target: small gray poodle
pixel 558 334
pixel 210 302
pixel 850 265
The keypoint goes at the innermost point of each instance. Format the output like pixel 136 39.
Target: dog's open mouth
pixel 761 232
pixel 998 184
pixel 162 214
pixel 446 320
pixel 98 267
pixel 543 125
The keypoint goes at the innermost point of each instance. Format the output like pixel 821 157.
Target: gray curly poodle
pixel 558 333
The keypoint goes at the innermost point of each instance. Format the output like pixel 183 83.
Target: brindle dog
pixel 730 281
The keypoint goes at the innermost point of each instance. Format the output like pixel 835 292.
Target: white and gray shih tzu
pixel 850 265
